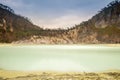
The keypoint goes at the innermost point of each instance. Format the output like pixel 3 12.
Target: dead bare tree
pixel 4 25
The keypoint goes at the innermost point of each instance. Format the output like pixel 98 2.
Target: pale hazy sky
pixel 56 13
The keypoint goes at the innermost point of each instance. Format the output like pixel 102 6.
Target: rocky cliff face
pixel 14 27
pixel 104 27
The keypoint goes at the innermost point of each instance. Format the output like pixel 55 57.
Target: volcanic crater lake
pixel 75 58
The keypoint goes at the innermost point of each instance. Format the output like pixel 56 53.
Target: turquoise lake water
pixel 75 58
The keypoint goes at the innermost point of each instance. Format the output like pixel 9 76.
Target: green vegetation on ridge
pixel 104 27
